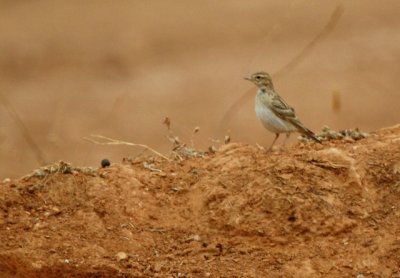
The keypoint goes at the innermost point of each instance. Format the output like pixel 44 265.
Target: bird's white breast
pixel 269 119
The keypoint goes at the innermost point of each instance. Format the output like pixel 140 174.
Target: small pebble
pixel 105 163
pixel 121 256
pixel 37 265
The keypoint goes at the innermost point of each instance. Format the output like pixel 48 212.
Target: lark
pixel 274 113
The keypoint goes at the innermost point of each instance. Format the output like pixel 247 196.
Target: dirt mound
pixel 312 210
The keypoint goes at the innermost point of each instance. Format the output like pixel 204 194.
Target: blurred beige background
pixel 117 68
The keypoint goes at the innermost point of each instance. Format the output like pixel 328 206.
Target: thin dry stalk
pixel 23 129
pixel 110 141
pixel 328 28
pixel 195 131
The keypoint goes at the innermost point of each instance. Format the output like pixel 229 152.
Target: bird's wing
pixel 284 111
pixel 281 108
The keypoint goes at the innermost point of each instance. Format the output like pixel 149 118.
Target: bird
pixel 274 113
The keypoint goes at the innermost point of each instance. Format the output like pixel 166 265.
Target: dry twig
pixel 110 141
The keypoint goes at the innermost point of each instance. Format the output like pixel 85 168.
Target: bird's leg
pixel 284 141
pixel 273 142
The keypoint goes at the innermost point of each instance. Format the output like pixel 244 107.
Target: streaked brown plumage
pixel 275 114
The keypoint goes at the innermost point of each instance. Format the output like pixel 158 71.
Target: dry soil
pixel 310 210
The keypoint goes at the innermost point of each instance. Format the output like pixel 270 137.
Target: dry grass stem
pixel 110 141
pixel 26 134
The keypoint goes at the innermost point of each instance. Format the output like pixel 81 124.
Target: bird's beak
pixel 247 78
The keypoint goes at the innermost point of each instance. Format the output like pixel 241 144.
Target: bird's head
pixel 261 79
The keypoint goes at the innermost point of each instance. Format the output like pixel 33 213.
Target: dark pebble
pixel 105 163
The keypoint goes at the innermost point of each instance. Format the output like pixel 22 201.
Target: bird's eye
pixel 258 77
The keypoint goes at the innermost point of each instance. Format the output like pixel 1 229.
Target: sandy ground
pixel 73 68
pixel 312 210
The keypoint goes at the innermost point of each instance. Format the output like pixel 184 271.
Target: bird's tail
pixel 303 130
pixel 311 135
